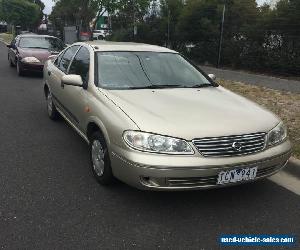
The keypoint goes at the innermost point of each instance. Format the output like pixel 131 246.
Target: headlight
pixel 30 59
pixel 277 134
pixel 156 143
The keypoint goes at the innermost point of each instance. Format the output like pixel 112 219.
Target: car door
pixel 77 101
pixel 55 72
pixel 12 51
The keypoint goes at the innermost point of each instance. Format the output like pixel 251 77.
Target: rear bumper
pixel 201 175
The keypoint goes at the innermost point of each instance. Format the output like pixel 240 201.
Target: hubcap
pixel 98 157
pixel 49 103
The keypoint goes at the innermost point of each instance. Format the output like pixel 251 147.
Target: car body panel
pixel 193 113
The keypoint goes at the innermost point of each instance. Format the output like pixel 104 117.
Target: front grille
pixel 230 145
pixel 212 180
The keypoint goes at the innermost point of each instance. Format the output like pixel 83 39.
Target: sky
pixel 49 4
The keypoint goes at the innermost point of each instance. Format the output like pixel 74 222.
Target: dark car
pixel 29 52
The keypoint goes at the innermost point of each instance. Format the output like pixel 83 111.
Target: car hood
pixel 41 54
pixel 193 113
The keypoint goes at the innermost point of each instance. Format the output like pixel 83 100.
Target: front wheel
pixel 100 161
pixel 10 62
pixel 20 71
pixel 51 109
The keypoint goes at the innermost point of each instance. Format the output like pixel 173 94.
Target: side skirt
pixel 73 126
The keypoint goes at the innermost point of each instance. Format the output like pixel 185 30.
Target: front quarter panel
pixel 109 117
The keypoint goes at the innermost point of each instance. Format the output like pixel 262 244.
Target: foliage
pixel 20 12
pixel 258 38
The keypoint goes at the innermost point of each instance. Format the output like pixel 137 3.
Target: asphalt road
pixel 49 199
pixel 255 79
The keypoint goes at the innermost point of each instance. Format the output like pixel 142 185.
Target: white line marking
pixel 287 181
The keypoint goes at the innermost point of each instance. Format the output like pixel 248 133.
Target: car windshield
pixel 130 70
pixel 49 43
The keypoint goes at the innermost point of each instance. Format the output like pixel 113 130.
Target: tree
pixel 199 24
pixel 128 13
pixel 73 12
pixel 20 12
pixel 103 6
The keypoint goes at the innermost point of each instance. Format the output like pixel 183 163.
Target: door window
pixel 63 64
pixel 81 64
pixel 57 60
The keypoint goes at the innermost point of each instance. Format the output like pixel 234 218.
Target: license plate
pixel 236 175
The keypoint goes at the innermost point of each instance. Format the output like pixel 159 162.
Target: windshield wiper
pixel 200 85
pixel 36 48
pixel 164 86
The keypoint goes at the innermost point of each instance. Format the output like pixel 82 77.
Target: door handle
pixel 49 73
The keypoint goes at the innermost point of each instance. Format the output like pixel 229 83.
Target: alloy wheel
pixel 98 157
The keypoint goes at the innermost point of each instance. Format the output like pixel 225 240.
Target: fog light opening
pixel 151 181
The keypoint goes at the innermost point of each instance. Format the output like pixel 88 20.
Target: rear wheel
pixel 100 161
pixel 51 109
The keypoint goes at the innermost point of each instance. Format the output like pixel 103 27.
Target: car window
pixel 57 60
pixel 13 42
pixel 123 70
pixel 67 57
pixel 40 42
pixel 81 64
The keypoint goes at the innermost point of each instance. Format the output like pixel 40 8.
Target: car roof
pixel 35 35
pixel 125 46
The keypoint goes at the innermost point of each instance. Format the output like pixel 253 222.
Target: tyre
pixel 51 109
pixel 10 62
pixel 100 161
pixel 20 71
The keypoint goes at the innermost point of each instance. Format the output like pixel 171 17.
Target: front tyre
pixel 100 161
pixel 10 62
pixel 51 109
pixel 20 71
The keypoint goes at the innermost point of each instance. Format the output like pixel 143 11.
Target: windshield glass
pixel 49 43
pixel 125 70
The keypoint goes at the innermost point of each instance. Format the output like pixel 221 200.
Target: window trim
pixel 60 54
pixel 81 46
pixel 75 45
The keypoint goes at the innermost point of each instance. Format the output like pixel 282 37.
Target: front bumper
pixel 32 67
pixel 169 172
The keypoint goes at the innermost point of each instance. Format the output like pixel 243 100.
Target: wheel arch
pixel 95 125
pixel 46 89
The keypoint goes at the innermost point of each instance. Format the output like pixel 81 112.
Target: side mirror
pixel 72 80
pixel 9 46
pixel 212 76
pixel 52 57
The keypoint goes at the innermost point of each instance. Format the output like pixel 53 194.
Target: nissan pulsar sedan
pixel 154 120
pixel 29 52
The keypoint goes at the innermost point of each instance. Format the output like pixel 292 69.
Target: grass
pixel 285 104
pixel 6 37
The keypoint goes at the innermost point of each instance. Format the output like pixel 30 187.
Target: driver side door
pixel 77 99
